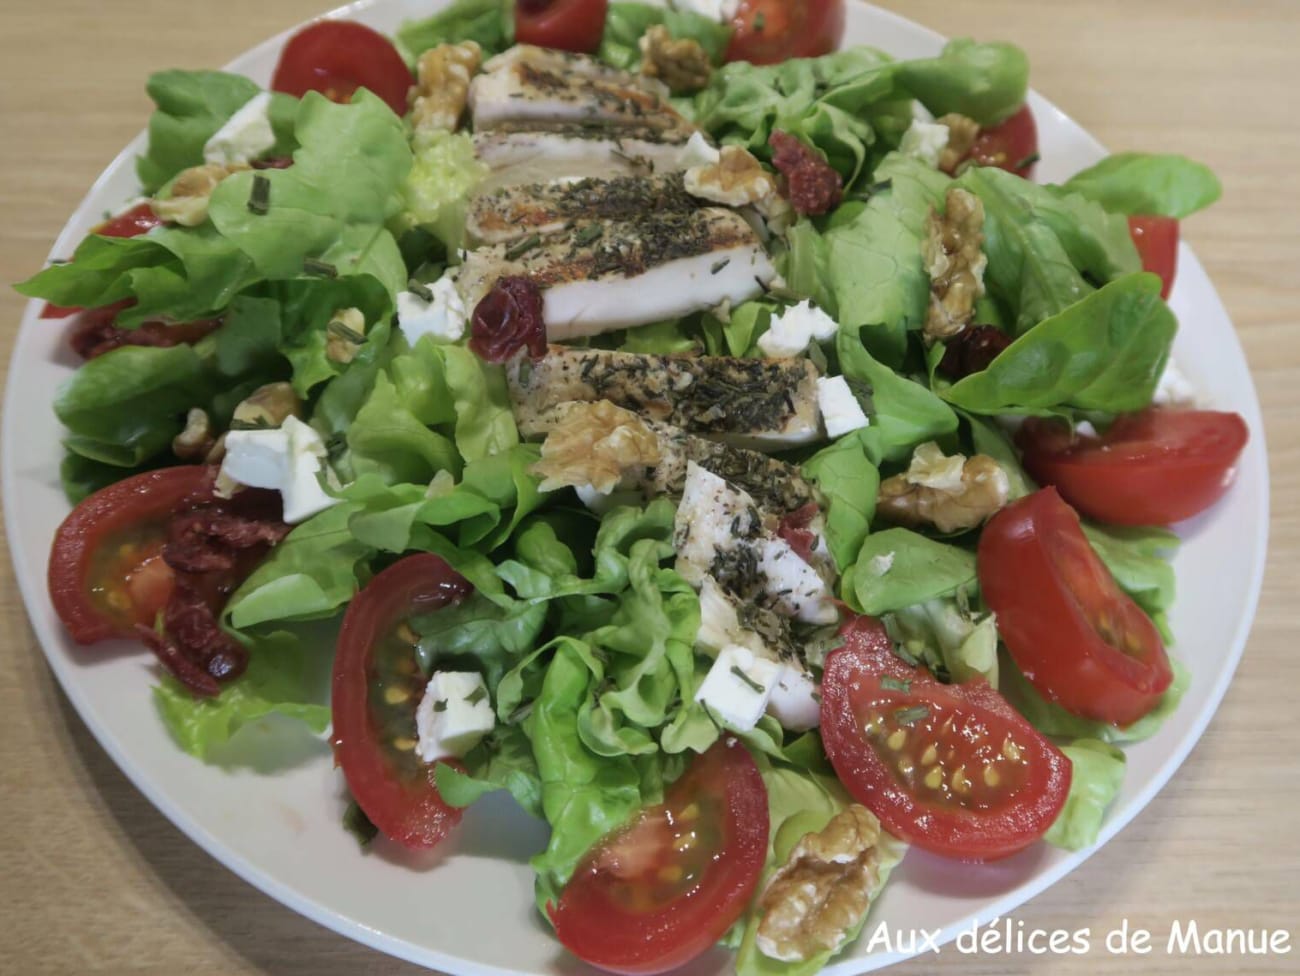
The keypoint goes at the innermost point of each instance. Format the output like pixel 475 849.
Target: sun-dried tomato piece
pixel 509 318
pixel 812 186
pixel 972 350
pixel 794 530
pixel 97 334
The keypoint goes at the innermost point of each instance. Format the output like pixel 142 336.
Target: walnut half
pixel 951 493
pixel 817 898
pixel 955 261
pixel 442 85
pixel 595 444
pixel 681 64
pixel 187 200
pixel 962 133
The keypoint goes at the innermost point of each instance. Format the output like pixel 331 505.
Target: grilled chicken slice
pixel 611 449
pixel 534 85
pixel 758 403
pixel 620 274
pixel 509 214
pixel 542 153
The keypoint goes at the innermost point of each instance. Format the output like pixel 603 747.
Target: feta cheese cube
pixel 738 686
pixel 795 587
pixel 925 141
pixel 442 315
pixel 286 459
pixel 795 701
pixel 453 716
pixel 246 136
pixel 1174 389
pixel 841 411
pixel 791 331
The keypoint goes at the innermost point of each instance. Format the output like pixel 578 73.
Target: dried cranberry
pixel 509 318
pixel 972 350
pixel 794 530
pixel 812 185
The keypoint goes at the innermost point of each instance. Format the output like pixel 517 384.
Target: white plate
pixel 271 813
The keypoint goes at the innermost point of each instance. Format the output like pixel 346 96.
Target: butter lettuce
pixel 899 568
pixel 626 23
pixel 1097 775
pixel 435 195
pixel 491 23
pixel 1148 183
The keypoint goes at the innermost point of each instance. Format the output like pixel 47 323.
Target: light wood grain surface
pixel 92 878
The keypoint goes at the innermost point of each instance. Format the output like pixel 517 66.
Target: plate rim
pixel 33 593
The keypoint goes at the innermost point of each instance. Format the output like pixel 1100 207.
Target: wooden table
pixel 92 878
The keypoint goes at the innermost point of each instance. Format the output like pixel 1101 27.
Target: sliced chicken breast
pixel 620 274
pixel 759 403
pixel 508 214
pixel 540 154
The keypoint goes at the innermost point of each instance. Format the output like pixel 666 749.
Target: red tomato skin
pixel 600 933
pixel 1043 614
pixel 1156 239
pixel 1156 467
pixel 855 669
pixel 336 57
pixel 148 497
pixel 791 29
pixel 1009 143
pixel 567 25
pixel 412 814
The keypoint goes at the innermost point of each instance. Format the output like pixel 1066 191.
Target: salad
pixel 714 438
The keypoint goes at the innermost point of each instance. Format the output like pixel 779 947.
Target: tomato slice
pixel 1156 467
pixel 771 31
pixel 1078 639
pixel 138 220
pixel 569 25
pixel 336 57
pixel 105 573
pixel 377 685
pixel 1156 239
pixel 663 889
pixel 953 769
pixel 1011 145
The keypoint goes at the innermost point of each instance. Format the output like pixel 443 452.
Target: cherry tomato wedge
pixel 660 891
pixel 105 574
pixel 1156 467
pixel 1011 145
pixel 771 31
pixel 377 684
pixel 138 220
pixel 336 57
pixel 1156 239
pixel 1078 639
pixel 569 25
pixel 953 769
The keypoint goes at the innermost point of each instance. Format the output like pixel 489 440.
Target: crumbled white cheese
pixel 245 136
pixel 442 316
pixel 287 459
pixel 794 701
pixel 925 141
pixel 841 411
pixel 1085 429
pixel 719 11
pixel 1174 389
pixel 698 151
pixel 792 331
pixel 453 716
pixel 738 686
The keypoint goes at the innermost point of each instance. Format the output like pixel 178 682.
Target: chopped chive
pixel 880 187
pixel 719 266
pixel 525 371
pixel 864 393
pixel 335 444
pixel 757 688
pixel 54 261
pixel 906 656
pixel 520 248
pixel 476 696
pixel 358 824
pixel 344 331
pixel 420 289
pixel 259 200
pixel 261 423
pixel 322 269
pixel 440 705
pixel 817 697
pixel 896 684
pixel 588 235
pixel 1029 160
pixel 912 714
pixel 760 22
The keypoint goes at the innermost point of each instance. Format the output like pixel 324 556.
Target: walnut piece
pixel 595 444
pixel 683 65
pixel 442 85
pixel 817 898
pixel 187 201
pixel 951 493
pixel 953 255
pixel 962 133
pixel 267 406
pixel 738 179
pixel 345 335
pixel 195 441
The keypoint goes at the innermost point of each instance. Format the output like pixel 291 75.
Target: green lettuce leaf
pixel 1098 774
pixel 947 639
pixel 899 568
pixel 1148 183
pixel 436 193
pixel 1138 558
pixel 849 483
pixel 626 24
pixel 489 22
pixel 502 761
pixel 987 82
